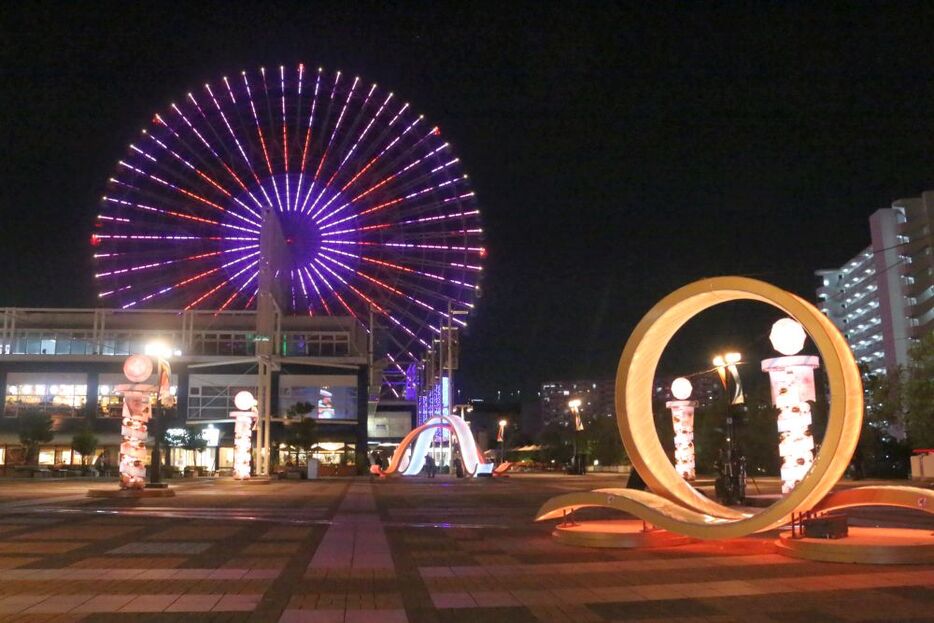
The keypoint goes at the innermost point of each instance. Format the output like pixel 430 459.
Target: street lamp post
pixel 161 353
pixel 731 481
pixel 502 440
pixel 574 405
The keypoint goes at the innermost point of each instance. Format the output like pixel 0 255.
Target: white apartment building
pixel 883 298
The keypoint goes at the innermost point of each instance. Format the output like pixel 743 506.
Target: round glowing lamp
pixel 137 368
pixel 502 422
pixel 718 361
pixel 244 400
pixel 158 349
pixel 574 403
pixel 681 388
pixel 787 336
pixel 732 358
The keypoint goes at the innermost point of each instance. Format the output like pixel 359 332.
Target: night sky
pixel 617 151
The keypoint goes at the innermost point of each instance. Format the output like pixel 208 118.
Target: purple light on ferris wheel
pixel 376 209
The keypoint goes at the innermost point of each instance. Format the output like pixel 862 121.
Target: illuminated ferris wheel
pixel 376 212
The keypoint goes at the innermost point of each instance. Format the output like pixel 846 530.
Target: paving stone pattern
pixel 352 550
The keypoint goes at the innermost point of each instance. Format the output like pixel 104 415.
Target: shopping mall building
pixel 68 363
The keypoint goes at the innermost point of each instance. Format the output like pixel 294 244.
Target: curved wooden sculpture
pixel 901 497
pixel 675 505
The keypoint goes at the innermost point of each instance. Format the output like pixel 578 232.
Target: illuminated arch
pixel 418 440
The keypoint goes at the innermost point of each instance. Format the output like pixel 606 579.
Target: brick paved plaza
pixel 403 550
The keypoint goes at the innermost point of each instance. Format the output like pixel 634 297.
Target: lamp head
pixel 137 368
pixel 158 349
pixel 732 358
pixel 787 336
pixel 681 388
pixel 503 423
pixel 244 400
pixel 574 403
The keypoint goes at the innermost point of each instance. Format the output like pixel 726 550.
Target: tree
pixel 600 439
pixel 35 428
pixel 84 443
pixel 194 441
pixel 878 453
pixel 302 434
pixel 300 409
pixel 919 394
pixel 555 441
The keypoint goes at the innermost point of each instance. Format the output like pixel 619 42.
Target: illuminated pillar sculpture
pixel 682 418
pixel 792 382
pixel 243 433
pixel 137 411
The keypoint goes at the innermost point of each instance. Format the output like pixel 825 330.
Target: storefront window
pixel 54 394
pixel 47 456
pixel 225 459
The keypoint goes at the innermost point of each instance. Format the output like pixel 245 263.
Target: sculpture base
pixel 618 533
pixel 879 546
pixel 132 493
pixel 252 480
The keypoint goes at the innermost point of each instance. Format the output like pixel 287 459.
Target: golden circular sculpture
pixel 634 380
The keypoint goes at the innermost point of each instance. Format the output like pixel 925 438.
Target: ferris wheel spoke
pixel 333 292
pixel 303 201
pixel 190 280
pixel 164 263
pixel 406 223
pixel 393 202
pixel 179 215
pixel 383 285
pixel 375 159
pixel 330 143
pixel 187 193
pixel 368 301
pixel 405 269
pixel 386 178
pixel 236 140
pixel 285 135
pixel 393 177
pixel 204 176
pixel 308 133
pixel 237 292
pixel 358 119
pixel 262 139
pixel 438 248
pixel 366 130
pixel 224 282
pixel 236 178
pixel 314 284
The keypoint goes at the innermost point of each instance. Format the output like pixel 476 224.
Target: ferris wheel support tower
pixel 270 301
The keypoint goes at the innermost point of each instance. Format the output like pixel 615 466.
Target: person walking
pixel 430 465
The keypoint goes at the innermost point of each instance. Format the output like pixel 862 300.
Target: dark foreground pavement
pixel 404 550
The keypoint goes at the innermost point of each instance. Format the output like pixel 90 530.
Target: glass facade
pixel 317 344
pixel 328 402
pixel 60 342
pixel 55 394
pixel 206 343
pixel 214 402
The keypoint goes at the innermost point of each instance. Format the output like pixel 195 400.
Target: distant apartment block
pixel 596 398
pixel 883 298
